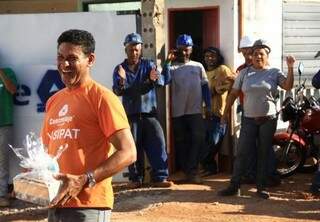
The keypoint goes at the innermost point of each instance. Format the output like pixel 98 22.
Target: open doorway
pixel 203 26
pixel 201 23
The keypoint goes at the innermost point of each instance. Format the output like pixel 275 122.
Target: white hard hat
pixel 261 43
pixel 246 41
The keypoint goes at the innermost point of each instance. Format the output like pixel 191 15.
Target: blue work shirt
pixel 138 92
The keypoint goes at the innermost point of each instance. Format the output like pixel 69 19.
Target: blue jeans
pixel 253 135
pixel 148 136
pixel 271 166
pixel 5 139
pixel 214 136
pixel 188 131
pixel 79 215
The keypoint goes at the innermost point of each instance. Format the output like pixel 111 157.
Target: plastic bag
pixel 40 167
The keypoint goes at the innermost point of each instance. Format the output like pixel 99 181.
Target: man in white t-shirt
pixel 189 87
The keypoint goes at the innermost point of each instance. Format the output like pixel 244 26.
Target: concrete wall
pixel 228 23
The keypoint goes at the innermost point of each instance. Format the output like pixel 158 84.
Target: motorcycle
pixel 301 141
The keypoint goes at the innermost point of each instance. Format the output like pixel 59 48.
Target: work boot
pixel 231 190
pixel 263 194
pixel 4 202
pixel 162 184
pixel 134 185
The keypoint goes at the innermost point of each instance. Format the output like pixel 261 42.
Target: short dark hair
pixel 220 58
pixel 78 37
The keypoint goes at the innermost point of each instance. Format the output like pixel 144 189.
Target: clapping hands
pixel 153 76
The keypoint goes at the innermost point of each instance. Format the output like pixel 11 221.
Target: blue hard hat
pixel 133 38
pixel 184 40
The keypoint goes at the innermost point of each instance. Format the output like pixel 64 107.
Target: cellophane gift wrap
pixel 36 184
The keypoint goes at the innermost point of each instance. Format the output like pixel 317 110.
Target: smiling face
pixel 73 64
pixel 260 58
pixel 133 52
pixel 184 53
pixel 210 59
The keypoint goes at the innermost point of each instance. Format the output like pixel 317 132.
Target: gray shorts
pixel 78 215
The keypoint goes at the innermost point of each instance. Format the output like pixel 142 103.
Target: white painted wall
pixel 263 19
pixel 228 24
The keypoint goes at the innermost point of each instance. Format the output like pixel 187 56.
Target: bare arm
pixel 232 96
pixel 288 83
pixel 8 83
pixel 124 155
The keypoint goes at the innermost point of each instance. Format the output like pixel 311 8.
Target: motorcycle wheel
pixel 288 163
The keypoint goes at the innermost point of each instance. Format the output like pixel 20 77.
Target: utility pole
pixel 153 34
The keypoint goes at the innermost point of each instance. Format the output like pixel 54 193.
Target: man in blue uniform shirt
pixel 135 79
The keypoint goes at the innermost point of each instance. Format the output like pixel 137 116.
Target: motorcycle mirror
pixel 300 68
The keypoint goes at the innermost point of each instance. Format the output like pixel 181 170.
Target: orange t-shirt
pixel 84 118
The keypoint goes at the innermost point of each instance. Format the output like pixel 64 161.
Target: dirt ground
pixel 198 203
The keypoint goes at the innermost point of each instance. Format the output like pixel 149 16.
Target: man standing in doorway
pixel 189 87
pixel 8 87
pixel 135 79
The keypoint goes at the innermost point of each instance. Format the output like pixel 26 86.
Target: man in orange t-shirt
pixel 91 120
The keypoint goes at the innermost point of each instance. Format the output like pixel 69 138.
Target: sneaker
pixel 162 184
pixel 231 190
pixel 263 194
pixel 4 202
pixel 134 185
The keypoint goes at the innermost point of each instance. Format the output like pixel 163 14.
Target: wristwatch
pixel 91 180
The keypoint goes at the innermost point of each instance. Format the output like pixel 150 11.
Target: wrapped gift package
pixel 37 185
pixel 34 190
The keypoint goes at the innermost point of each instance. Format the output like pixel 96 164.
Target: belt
pixel 262 119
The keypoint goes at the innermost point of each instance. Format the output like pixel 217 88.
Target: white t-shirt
pixel 187 79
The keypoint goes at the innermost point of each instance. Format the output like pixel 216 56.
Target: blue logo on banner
pixel 22 91
pixel 49 85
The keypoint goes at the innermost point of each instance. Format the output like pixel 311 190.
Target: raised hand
pixel 153 76
pixel 122 72
pixel 171 55
pixel 290 61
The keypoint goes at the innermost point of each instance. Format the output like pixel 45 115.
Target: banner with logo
pixel 28 45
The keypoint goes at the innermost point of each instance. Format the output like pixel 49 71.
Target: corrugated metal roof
pixel 301 34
